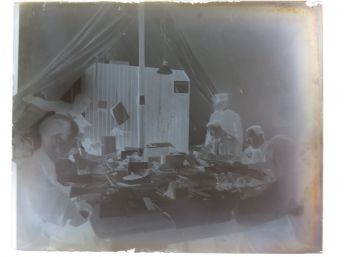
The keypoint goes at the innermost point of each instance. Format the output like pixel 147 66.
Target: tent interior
pixel 253 51
pixel 267 56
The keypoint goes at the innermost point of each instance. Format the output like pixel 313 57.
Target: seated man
pixel 255 151
pixel 279 154
pixel 47 217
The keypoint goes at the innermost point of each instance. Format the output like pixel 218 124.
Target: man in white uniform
pixel 47 217
pixel 225 133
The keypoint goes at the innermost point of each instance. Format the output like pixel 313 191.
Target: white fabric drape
pixel 97 36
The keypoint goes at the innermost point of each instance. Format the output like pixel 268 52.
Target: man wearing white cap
pixel 225 134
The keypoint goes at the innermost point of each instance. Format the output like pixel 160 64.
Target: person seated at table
pixel 255 152
pixel 224 137
pixel 280 155
pixel 47 217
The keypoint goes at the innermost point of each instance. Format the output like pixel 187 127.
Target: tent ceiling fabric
pixel 97 36
pixel 254 51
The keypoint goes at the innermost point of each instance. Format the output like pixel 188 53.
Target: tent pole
pixel 141 70
pixel 15 48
